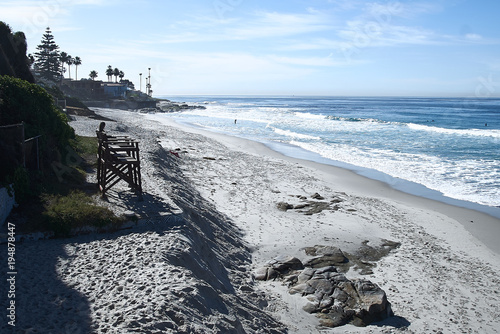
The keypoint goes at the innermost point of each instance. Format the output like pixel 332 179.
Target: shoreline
pixel 426 289
pixel 474 217
pixel 405 186
pixel 210 219
pixel 468 177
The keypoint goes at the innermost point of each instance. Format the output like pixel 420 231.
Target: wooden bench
pixel 117 159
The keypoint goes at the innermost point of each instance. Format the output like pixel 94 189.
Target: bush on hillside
pixel 13 59
pixel 21 101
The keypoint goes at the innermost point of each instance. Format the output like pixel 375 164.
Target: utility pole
pixel 149 84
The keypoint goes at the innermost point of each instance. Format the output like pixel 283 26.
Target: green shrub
pixel 85 146
pixel 66 214
pixel 21 101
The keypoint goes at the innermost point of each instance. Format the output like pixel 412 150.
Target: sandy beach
pixel 210 219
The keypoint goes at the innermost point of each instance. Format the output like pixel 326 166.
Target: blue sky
pixel 295 47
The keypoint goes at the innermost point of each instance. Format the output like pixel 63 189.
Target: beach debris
pixel 317 196
pixel 209 158
pixel 317 207
pixel 315 204
pixel 335 299
pixel 284 206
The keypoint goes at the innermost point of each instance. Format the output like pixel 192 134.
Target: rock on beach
pixel 335 299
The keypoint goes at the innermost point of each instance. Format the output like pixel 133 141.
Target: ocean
pixel 441 148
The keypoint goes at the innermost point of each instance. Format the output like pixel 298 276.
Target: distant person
pixel 235 121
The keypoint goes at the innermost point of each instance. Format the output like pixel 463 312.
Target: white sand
pixel 207 223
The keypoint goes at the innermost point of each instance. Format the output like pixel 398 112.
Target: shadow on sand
pixel 394 321
pixel 43 303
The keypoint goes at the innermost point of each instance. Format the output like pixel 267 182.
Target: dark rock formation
pixel 325 256
pixel 317 196
pixel 278 267
pixel 283 206
pixel 335 299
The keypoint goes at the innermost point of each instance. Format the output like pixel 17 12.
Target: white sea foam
pixel 292 134
pixel 307 115
pixel 462 132
pixel 436 174
pixel 453 161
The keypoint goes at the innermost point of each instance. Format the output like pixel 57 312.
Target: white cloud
pixel 328 61
pixel 270 25
pixel 231 72
pixel 31 14
pixel 260 25
pixel 473 37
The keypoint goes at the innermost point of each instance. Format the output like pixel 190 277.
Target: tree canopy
pixel 109 72
pixel 77 61
pixel 48 63
pixel 93 74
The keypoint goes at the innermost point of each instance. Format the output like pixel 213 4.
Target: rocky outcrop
pixel 169 106
pixel 325 256
pixel 316 203
pixel 338 300
pixel 278 267
pixel 335 299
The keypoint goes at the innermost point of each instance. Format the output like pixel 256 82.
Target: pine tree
pixel 47 59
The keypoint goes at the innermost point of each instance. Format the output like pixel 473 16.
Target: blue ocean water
pixel 448 145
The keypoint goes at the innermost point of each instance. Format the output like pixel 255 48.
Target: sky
pixel 447 48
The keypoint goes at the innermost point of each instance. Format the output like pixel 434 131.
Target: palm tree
pixel 70 61
pixel 109 72
pixel 77 61
pixel 116 73
pixel 121 75
pixel 63 57
pixel 93 75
